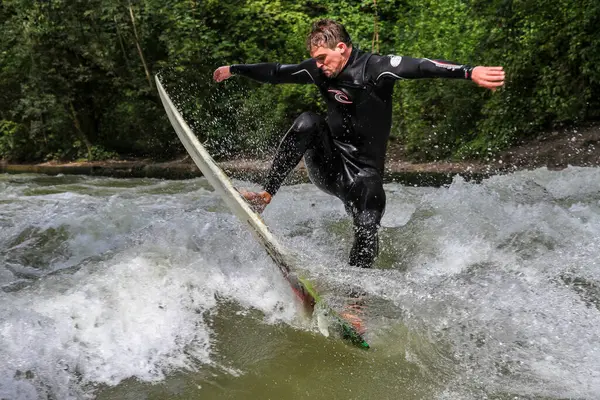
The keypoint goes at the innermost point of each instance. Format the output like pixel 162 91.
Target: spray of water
pixel 490 290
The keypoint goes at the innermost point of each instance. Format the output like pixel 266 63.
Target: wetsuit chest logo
pixel 340 96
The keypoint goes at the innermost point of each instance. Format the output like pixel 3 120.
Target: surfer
pixel 345 152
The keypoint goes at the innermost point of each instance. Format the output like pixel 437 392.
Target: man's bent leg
pixel 362 192
pixel 303 134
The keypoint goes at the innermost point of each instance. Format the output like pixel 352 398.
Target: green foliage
pixel 11 139
pixel 434 117
pixel 553 74
pixel 74 84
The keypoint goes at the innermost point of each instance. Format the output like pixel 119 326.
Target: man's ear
pixel 341 47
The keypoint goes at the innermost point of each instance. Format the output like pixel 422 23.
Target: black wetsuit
pixel 345 153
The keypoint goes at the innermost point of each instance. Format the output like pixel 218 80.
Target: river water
pixel 151 289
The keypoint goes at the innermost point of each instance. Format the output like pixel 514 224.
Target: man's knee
pixel 300 136
pixel 365 200
pixel 308 122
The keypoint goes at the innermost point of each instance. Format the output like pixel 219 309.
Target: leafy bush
pixel 76 78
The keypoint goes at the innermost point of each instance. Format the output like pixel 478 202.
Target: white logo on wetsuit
pixel 340 96
pixel 445 65
pixel 395 60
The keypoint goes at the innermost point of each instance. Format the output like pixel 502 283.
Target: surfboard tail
pixel 339 325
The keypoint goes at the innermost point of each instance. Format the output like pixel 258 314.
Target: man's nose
pixel 319 64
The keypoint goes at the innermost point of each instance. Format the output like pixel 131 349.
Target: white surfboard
pixel 236 203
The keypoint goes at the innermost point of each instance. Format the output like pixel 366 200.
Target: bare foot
pixel 257 200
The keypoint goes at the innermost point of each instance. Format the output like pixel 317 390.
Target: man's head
pixel 330 45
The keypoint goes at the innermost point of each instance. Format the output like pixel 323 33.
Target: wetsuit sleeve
pixel 397 67
pixel 277 73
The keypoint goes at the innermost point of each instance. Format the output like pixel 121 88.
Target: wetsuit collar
pixel 352 58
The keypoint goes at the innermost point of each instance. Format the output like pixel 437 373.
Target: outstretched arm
pixel 305 72
pixel 396 67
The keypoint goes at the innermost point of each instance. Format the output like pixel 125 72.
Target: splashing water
pixel 487 290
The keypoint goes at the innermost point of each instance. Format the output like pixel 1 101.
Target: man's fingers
pixel 492 73
pixel 491 85
pixel 218 76
pixel 221 73
pixel 488 77
pixel 493 80
pixel 493 69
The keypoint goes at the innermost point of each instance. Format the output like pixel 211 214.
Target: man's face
pixel 330 61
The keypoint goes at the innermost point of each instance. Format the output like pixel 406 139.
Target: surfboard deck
pixel 284 260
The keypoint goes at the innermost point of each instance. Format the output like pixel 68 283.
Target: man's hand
pixel 257 200
pixel 222 73
pixel 488 77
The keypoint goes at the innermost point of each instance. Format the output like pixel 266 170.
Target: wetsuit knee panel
pixel 366 195
pixel 308 122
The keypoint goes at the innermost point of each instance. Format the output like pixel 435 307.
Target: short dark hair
pixel 327 33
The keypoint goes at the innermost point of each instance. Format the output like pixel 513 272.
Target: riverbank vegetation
pixel 76 77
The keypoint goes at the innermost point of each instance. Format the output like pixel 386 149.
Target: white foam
pixel 487 279
pixel 138 306
pixel 499 278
